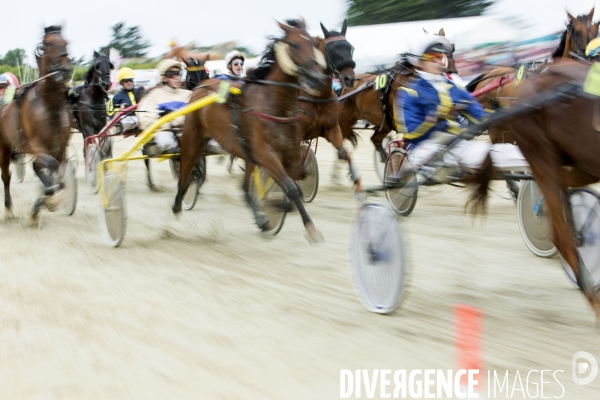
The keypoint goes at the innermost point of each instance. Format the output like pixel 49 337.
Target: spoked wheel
pixel 93 158
pixel 534 220
pixel 73 157
pixel 379 164
pixel 113 219
pixel 174 166
pixel 377 259
pixel 585 207
pixel 269 196
pixel 18 163
pixel 402 200
pixel 196 181
pixel 70 186
pixel 310 184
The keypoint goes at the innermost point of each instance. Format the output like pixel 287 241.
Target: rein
pixel 315 100
pixel 274 83
pixel 279 120
pixel 357 90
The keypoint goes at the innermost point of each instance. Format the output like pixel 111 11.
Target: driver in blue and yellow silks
pixel 593 49
pixel 431 110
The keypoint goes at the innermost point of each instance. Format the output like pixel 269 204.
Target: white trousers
pixel 129 123
pixel 165 140
pixel 505 157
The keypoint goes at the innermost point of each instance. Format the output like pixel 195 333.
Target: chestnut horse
pixel 377 107
pixel 320 113
pixel 38 121
pixel 261 125
pixel 560 143
pixel 579 32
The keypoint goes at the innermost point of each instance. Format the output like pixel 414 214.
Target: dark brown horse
pixel 561 145
pixel 38 122
pixel 261 126
pixel 320 113
pixel 377 107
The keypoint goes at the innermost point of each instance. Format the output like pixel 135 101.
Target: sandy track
pixel 204 308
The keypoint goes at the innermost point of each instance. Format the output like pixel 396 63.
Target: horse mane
pixel 89 74
pixel 267 60
pixel 561 47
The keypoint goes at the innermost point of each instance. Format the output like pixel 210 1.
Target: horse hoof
pixel 53 202
pixel 154 189
pixel 33 222
pixel 314 236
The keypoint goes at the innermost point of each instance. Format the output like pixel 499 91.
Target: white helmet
pixel 234 54
pixel 427 43
pixel 166 65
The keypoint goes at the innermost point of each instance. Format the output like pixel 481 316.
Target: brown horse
pixel 38 122
pixel 377 107
pixel 579 32
pixel 560 144
pixel 261 126
pixel 320 113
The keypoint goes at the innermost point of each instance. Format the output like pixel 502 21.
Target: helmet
pixel 12 79
pixel 166 65
pixel 125 73
pixel 234 54
pixel 593 48
pixel 3 81
pixel 428 43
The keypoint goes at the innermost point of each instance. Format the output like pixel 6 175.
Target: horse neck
pixel 52 92
pixel 283 96
pixel 568 46
pixel 93 89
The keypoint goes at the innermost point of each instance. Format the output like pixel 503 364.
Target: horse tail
pixel 353 138
pixel 480 182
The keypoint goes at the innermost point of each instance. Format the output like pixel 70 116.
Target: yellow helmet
pixel 593 48
pixel 125 73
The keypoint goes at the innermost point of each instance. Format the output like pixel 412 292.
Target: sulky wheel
pixel 585 208
pixel 18 163
pixel 310 184
pixel 92 159
pixel 70 186
pixel 113 219
pixel 402 200
pixel 271 199
pixel 377 259
pixel 196 181
pixel 534 220
pixel 174 166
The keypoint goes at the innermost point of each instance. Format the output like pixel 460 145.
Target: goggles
pixel 127 81
pixel 173 74
pixel 237 64
pixel 437 57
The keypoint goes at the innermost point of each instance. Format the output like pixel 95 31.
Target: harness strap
pixel 315 100
pixel 284 84
pixel 335 39
pixel 272 118
pixel 359 89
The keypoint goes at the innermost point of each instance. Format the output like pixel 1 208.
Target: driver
pixel 429 111
pixel 3 86
pixel 165 98
pixel 124 98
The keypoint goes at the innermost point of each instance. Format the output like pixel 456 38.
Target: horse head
pixel 338 55
pixel 296 55
pixel 101 68
pixel 52 55
pixel 581 31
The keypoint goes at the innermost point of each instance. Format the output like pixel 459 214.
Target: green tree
pixel 128 40
pixel 371 12
pixel 14 57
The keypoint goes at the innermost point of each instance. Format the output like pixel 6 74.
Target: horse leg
pixel 272 164
pixel 151 185
pixel 46 168
pixel 191 144
pixel 334 136
pixel 5 165
pixel 377 140
pixel 261 219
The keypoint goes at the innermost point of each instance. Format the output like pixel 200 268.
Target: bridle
pixel 100 75
pixel 580 50
pixel 330 65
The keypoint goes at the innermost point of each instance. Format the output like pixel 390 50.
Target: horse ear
pixel 325 31
pixel 572 18
pixel 344 27
pixel 590 16
pixel 442 32
pixel 303 22
pixel 96 55
pixel 286 28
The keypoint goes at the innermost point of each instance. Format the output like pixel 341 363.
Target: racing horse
pixel 377 107
pixel 88 100
pixel 38 122
pixel 261 125
pixel 320 113
pixel 552 121
pixel 575 38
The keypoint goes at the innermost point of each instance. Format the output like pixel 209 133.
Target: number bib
pixel 380 82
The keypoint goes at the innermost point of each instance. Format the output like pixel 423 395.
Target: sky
pixel 248 22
